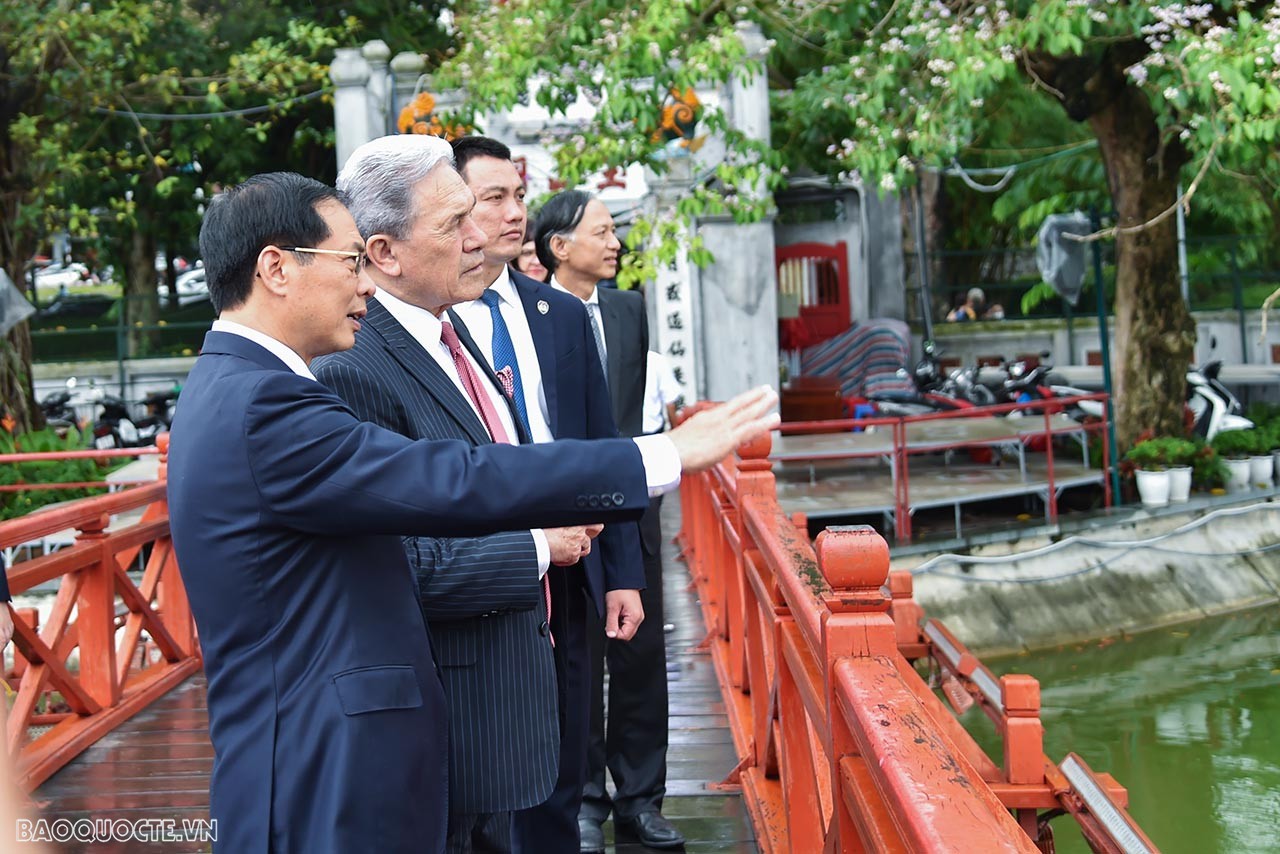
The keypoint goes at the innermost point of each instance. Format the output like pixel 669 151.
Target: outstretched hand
pixel 713 434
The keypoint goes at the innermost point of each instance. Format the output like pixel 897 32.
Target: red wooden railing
pixel 843 746
pixel 111 645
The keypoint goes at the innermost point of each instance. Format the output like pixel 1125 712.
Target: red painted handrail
pixel 843 746
pixel 106 663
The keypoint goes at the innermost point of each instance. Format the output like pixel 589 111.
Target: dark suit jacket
pixel 626 340
pixel 325 710
pixel 482 596
pixel 578 407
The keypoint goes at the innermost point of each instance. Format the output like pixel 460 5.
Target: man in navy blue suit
pixel 562 387
pixel 325 710
pixel 483 596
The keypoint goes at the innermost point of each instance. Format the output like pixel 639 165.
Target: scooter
pixel 114 427
pixel 935 392
pixel 1213 407
pixel 159 409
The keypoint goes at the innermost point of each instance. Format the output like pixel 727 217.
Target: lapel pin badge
pixel 543 307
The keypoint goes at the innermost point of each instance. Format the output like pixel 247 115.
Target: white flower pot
pixel 1261 469
pixel 1153 487
pixel 1180 484
pixel 1239 471
pixel 1275 462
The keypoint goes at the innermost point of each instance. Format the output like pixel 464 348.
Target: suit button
pixel 618 499
pixel 581 501
pixel 593 502
pixel 606 500
pixel 544 629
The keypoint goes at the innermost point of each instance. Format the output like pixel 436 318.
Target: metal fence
pixel 1228 272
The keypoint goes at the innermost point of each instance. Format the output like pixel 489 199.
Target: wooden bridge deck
pixel 157 765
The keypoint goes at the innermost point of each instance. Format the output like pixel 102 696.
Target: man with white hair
pixel 485 598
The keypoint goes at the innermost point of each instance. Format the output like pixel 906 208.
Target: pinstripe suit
pixel 482 596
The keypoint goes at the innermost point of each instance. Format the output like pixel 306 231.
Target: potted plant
pixel 1179 454
pixel 1236 447
pixel 1208 470
pixel 1152 475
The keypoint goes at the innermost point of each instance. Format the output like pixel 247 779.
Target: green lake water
pixel 1187 718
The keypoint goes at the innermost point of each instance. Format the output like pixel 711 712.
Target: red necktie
pixel 488 414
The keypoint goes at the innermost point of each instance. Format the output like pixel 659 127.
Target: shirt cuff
pixel 661 463
pixel 543 548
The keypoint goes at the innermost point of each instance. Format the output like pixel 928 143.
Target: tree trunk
pixel 16 390
pixel 1154 333
pixel 141 302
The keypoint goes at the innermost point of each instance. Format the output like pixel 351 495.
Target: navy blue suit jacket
pixel 325 709
pixel 578 407
pixel 482 595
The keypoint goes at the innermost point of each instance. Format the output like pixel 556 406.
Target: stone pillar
pixel 672 298
pixel 406 69
pixel 738 328
pixel 350 74
pixel 886 287
pixel 376 53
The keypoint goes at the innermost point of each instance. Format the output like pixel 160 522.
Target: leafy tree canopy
pixel 878 89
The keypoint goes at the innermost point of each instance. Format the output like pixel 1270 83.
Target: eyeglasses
pixel 361 258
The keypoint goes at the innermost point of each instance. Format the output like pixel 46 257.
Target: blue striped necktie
pixel 504 355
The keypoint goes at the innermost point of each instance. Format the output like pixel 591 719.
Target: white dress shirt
pixel 660 389
pixel 479 321
pixel 425 329
pixel 592 304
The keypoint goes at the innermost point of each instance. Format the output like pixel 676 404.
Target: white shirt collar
pixel 281 351
pixel 505 288
pixel 417 321
pixel 594 299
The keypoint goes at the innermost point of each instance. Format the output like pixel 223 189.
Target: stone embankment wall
pixel 1132 576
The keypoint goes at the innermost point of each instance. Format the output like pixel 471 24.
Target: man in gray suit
pixel 577 241
pixel 484 598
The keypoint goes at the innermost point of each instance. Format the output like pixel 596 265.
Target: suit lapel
pixel 464 335
pixel 405 349
pixel 613 326
pixel 543 330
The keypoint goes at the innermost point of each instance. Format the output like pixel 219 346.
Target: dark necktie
pixel 504 355
pixel 593 312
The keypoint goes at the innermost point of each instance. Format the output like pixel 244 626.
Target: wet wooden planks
pixel 157 765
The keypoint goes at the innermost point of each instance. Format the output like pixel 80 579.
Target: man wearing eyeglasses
pixel 325 708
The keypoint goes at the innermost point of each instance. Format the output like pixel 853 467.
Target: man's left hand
pixel 623 614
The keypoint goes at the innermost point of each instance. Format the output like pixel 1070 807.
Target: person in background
pixel 527 261
pixel 975 307
pixel 662 394
pixel 577 240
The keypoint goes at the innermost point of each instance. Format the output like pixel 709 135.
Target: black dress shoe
pixel 652 829
pixel 591 835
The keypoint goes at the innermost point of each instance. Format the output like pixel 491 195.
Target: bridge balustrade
pixel 843 746
pixel 111 644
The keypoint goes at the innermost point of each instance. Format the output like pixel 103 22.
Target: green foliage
pixel 1162 452
pixel 1208 471
pixel 1240 443
pixel 13 504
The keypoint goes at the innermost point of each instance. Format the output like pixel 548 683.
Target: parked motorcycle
pixel 935 391
pixel 158 406
pixel 1213 407
pixel 114 427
